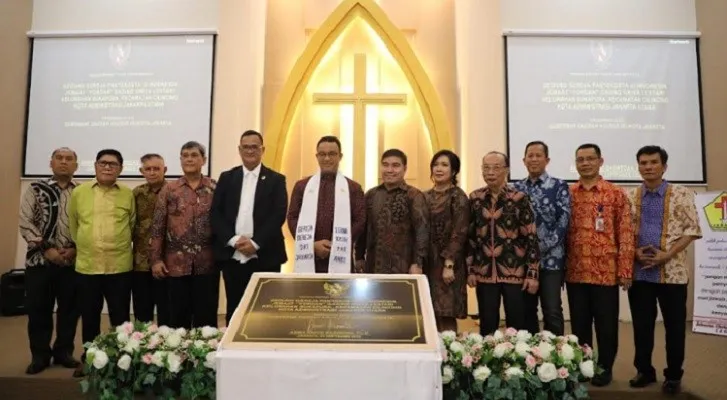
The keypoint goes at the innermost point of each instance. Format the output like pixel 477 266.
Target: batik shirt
pixel 550 199
pixel 44 219
pixel 662 217
pixel 503 242
pixel 146 198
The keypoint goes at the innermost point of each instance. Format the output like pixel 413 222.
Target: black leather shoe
pixel 671 387
pixel 602 379
pixel 642 380
pixel 66 361
pixel 36 367
pixel 78 373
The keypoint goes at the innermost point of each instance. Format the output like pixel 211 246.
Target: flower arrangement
pixel 515 365
pixel 156 360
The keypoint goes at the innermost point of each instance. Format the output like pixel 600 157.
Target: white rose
pixel 481 373
pixel 500 350
pixel 199 343
pixel 547 335
pixel 566 351
pixel 447 374
pixel 91 351
pixel 209 360
pixel 174 340
pixel 174 362
pixel 547 372
pixel 181 332
pixel 522 349
pixel 513 372
pixel 545 350
pixel 449 335
pixel 475 338
pixel 498 335
pixel 132 346
pixel 158 358
pixel 122 338
pixel 100 359
pixel 124 362
pixel 164 331
pixel 523 335
pixel 572 338
pixel 208 332
pixel 456 347
pixel 587 368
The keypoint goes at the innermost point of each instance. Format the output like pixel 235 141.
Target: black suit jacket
pixel 271 205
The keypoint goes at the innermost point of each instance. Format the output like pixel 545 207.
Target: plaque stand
pixel 331 336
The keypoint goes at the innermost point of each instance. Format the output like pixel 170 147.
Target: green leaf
pixel 558 385
pixel 581 392
pixel 504 393
pixel 149 379
pixel 493 382
pixel 85 385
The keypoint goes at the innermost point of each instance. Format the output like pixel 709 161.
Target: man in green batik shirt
pixel 102 214
pixel 146 292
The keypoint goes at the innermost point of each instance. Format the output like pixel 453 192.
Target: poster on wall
pixel 710 265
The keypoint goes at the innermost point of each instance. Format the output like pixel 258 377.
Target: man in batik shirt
pixel 397 223
pixel 666 222
pixel 146 291
pixel 503 255
pixel 550 198
pixel 181 243
pixel 600 257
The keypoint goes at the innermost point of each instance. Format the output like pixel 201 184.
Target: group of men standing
pixel 164 244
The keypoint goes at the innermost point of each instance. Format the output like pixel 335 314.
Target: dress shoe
pixel 78 372
pixel 642 380
pixel 602 379
pixel 66 361
pixel 671 387
pixel 37 366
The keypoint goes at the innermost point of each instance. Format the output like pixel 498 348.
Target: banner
pixel 710 265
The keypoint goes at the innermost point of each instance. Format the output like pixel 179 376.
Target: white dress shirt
pixel 244 224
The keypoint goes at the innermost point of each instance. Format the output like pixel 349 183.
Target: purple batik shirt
pixel 650 229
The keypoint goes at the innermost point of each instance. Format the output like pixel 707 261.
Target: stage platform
pixel 704 379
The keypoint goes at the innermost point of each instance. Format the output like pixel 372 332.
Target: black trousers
pixel 115 289
pixel 148 292
pixel 672 299
pixel 193 300
pixel 45 285
pixel 551 283
pixel 236 277
pixel 596 305
pixel 488 305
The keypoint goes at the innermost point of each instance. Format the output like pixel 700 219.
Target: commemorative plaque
pixel 333 309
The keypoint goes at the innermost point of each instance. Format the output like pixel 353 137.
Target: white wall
pixel 480 62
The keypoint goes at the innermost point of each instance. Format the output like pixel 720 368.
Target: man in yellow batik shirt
pixel 102 215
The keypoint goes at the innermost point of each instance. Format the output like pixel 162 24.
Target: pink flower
pixel 530 361
pixel 146 358
pixel 153 328
pixel 445 355
pixel 510 332
pixel 477 348
pixel 137 336
pixel 213 343
pixel 467 361
pixel 489 339
pixel 587 350
pixel 127 327
pixel 562 373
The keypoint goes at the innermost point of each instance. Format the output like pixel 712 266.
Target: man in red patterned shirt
pixel 600 257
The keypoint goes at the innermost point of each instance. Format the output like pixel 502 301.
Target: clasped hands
pixel 650 256
pixel 244 245
pixel 63 256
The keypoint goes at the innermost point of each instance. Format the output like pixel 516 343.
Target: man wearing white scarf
pixel 327 214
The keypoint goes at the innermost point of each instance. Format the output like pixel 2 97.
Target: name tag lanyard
pixel 600 223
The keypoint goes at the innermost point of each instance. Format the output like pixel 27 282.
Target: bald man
pixel 49 264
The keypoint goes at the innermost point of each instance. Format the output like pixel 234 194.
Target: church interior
pixel 417 75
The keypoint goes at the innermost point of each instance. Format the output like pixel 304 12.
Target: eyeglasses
pixel 250 148
pixel 581 160
pixel 107 164
pixel 331 154
pixel 493 168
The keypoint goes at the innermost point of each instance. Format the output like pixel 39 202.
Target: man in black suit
pixel 248 212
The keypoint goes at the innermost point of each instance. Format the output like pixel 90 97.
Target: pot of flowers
pixel 515 365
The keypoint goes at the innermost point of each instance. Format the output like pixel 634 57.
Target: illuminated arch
pixel 430 105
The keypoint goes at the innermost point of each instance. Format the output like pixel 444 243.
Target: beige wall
pixel 15 17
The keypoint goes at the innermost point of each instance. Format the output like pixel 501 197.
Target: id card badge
pixel 600 224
